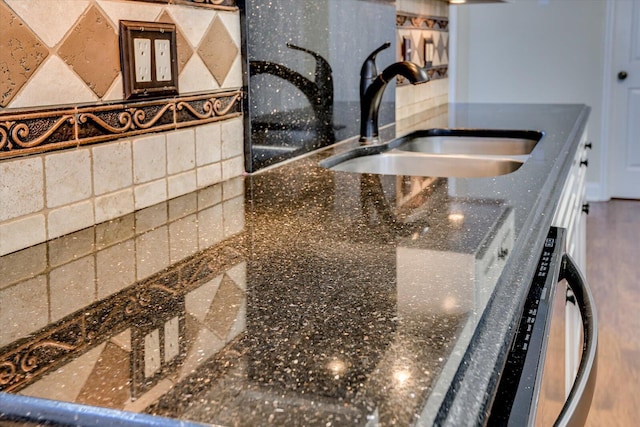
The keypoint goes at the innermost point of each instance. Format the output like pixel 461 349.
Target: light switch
pixel 142 59
pixel 148 59
pixel 163 60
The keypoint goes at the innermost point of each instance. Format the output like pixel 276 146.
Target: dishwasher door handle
pixel 576 407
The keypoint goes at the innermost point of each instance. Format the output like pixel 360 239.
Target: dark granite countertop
pixel 319 297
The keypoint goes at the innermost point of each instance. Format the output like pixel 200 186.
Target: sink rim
pixel 423 164
pixel 391 146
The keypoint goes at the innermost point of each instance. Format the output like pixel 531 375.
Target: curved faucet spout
pixel 372 89
pixel 318 92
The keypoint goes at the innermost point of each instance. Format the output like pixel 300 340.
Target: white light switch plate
pixel 163 60
pixel 142 58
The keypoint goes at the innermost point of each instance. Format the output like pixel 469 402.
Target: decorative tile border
pixel 27 360
pixel 213 4
pixel 409 21
pixel 421 27
pixel 43 131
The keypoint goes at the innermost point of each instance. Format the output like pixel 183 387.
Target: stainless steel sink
pixel 463 153
pixel 468 145
pixel 414 164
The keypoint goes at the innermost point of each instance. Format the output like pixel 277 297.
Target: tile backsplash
pixel 74 154
pixel 420 20
pixel 61 94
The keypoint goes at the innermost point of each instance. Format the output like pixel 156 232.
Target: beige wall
pixel 73 61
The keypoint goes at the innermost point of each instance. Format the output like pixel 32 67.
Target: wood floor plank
pixel 613 272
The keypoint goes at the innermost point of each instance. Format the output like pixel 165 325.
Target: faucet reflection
pixel 372 86
pixel 318 92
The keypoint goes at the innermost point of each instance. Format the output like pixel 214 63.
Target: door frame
pixel 599 190
pixel 602 191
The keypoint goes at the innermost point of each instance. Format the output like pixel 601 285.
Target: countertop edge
pixel 474 386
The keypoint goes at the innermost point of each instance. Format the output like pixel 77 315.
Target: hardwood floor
pixel 613 272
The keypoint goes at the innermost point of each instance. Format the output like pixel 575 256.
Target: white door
pixel 624 168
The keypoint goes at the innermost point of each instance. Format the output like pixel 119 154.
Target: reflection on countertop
pixel 168 312
pixel 295 296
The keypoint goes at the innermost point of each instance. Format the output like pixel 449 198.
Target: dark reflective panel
pixel 304 61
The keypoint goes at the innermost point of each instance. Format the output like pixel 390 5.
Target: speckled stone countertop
pixel 318 297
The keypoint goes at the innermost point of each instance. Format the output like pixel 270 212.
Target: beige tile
pixel 210 227
pixel 130 10
pixel 37 14
pixel 224 309
pixel 123 340
pixel 112 167
pixel 72 287
pixel 21 187
pixel 72 246
pixel 232 188
pixel 22 233
pixel 54 83
pixel 196 77
pixel 149 158
pixel 152 252
pixel 204 344
pixel 151 217
pixel 232 138
pixel 116 268
pixel 113 205
pixel 209 196
pixel 208 144
pixel 25 309
pixel 209 175
pixel 233 212
pixel 218 50
pixel 116 91
pixel 231 21
pixel 238 274
pixel 181 151
pixel 92 50
pixel 234 76
pixel 65 383
pixel 182 184
pixel 151 193
pixel 183 238
pixel 114 231
pixel 67 177
pixel 232 168
pixel 183 206
pixel 22 265
pixel 192 21
pixel 108 385
pixel 21 53
pixel 69 218
pixel 185 51
pixel 151 353
pixel 198 301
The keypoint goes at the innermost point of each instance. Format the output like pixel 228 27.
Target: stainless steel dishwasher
pixel 542 383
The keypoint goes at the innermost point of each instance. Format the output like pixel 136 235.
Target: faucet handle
pixel 369 71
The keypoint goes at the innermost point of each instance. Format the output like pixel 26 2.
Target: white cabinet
pixel 569 214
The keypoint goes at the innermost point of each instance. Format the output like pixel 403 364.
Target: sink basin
pixel 463 141
pixel 414 164
pixel 462 153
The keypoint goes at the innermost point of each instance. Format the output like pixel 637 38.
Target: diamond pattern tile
pixel 185 51
pixel 21 53
pixel 38 16
pixel 218 50
pixel 224 308
pixel 91 49
pixel 194 22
